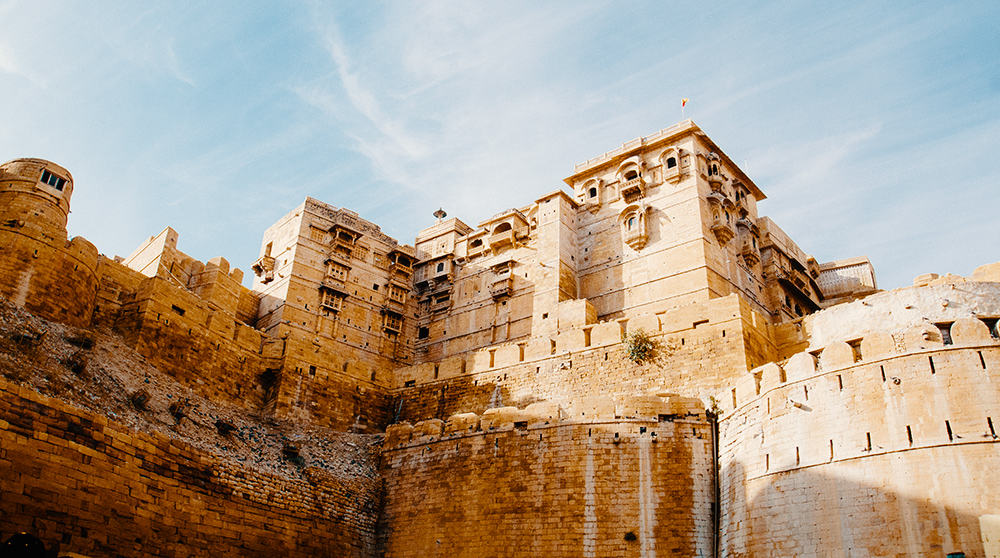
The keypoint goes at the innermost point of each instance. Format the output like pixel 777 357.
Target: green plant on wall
pixel 638 346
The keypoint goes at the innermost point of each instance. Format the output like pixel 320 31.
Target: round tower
pixel 40 269
pixel 35 193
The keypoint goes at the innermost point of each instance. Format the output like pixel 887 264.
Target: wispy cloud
pixel 173 64
pixel 365 102
pixel 864 119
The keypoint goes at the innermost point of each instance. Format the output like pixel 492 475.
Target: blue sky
pixel 873 129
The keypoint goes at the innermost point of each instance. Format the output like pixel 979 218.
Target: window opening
pixel 53 180
pixel 945 329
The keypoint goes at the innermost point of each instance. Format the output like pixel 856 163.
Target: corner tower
pixel 37 193
pixel 39 269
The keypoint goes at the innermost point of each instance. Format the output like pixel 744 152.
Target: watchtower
pixel 39 268
pixel 35 193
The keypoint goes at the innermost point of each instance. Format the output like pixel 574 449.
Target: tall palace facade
pixel 787 406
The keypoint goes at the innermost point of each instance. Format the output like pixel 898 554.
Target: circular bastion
pixel 40 269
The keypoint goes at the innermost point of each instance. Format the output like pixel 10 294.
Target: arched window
pixel 502 227
pixel 671 162
pixel 727 216
pixel 631 175
pixel 631 222
pixel 476 243
pixel 592 192
pixel 440 267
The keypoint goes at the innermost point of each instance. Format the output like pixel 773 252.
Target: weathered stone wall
pixel 886 448
pixel 51 277
pixel 85 484
pixel 626 479
pixel 700 349
pixel 207 349
pixel 333 392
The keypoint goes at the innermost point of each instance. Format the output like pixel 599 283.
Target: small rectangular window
pixel 53 180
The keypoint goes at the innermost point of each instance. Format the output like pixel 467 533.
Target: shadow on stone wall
pixel 818 511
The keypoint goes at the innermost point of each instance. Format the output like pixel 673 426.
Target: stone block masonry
pixel 834 454
pixel 699 349
pixel 528 485
pixel 88 485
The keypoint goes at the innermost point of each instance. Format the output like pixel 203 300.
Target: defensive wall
pixel 191 319
pixel 875 432
pixel 600 477
pixel 699 349
pixel 86 484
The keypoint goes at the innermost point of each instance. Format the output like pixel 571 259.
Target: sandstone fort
pixel 636 363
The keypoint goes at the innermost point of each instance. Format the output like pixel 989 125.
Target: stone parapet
pixel 545 414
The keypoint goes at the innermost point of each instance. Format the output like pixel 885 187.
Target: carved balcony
pixel 394 305
pixel 749 252
pixel 333 303
pixel 749 226
pixel 335 284
pixel 635 237
pixel 633 190
pixel 400 268
pixel 502 287
pixel 339 255
pixel 392 325
pixel 398 281
pixel 501 239
pixel 723 230
pixel 716 199
pixel 474 249
pixel 440 304
pixel 264 268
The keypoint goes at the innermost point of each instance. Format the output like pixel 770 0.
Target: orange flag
pixel 684 102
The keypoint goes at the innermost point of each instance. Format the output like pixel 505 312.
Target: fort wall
pixel 700 349
pixel 603 478
pixel 895 434
pixel 88 485
pixel 183 335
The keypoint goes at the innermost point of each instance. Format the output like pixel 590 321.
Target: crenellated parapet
pixel 870 415
pixel 668 327
pixel 547 414
pixel 699 348
pixel 584 479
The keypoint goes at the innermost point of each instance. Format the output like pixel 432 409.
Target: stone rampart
pixel 699 349
pixel 88 485
pixel 51 277
pixel 602 477
pixel 830 450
